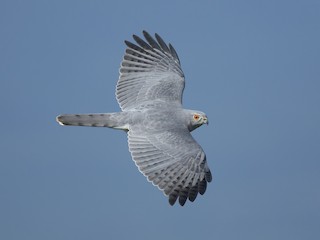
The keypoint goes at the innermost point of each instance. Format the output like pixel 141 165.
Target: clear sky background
pixel 252 66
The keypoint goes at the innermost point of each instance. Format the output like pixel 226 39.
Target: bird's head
pixel 197 119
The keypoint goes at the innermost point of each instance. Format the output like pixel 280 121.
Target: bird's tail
pixel 111 120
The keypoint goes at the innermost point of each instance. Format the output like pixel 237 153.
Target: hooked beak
pixel 206 121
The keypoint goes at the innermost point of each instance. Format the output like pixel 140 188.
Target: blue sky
pixel 252 66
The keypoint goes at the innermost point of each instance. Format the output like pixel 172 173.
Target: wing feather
pixel 150 70
pixel 173 161
pixel 151 41
pixel 162 44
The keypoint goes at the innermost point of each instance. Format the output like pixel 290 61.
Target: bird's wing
pixel 171 160
pixel 149 71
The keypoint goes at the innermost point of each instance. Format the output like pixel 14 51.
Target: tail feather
pixel 91 120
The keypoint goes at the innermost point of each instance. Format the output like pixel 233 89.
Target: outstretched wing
pixel 171 160
pixel 149 71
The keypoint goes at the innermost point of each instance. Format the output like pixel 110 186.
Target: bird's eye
pixel 196 117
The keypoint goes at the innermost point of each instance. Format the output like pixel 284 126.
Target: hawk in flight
pixel 149 92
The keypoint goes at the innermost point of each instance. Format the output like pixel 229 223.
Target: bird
pixel 149 92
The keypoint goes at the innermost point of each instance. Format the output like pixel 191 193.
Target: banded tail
pixel 111 120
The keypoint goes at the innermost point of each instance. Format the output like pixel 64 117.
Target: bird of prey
pixel 149 92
